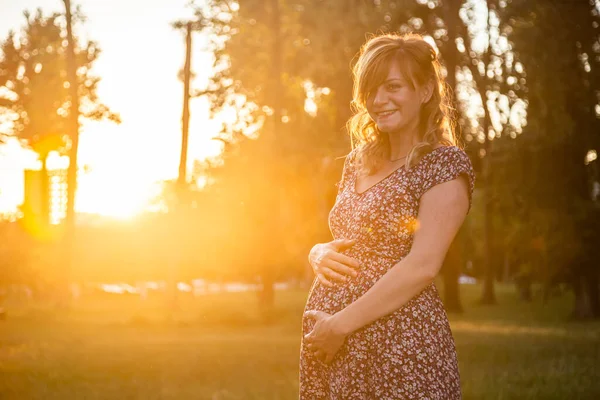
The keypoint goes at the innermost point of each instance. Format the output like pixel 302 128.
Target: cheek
pixel 404 98
pixel 369 105
pixel 410 104
pixel 370 111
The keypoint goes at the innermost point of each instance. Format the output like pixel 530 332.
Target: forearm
pixel 401 283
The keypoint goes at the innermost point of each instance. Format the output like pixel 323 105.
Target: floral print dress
pixel 409 354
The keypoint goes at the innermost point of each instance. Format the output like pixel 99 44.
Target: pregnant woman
pixel 374 325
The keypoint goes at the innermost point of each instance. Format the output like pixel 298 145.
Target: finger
pixel 344 259
pixel 346 243
pixel 316 315
pixel 324 280
pixel 331 274
pixel 310 314
pixel 338 242
pixel 341 268
pixel 308 340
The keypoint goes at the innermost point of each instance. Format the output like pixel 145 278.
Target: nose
pixel 380 98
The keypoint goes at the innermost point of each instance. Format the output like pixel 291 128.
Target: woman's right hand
pixel 329 264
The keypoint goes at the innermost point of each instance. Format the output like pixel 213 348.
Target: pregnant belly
pixel 374 263
pixel 333 299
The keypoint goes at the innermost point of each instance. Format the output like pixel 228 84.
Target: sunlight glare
pixel 590 156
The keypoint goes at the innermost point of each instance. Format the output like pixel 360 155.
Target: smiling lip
pixel 385 113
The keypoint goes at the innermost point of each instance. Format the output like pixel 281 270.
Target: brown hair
pixel 419 64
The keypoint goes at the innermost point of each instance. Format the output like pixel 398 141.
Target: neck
pixel 401 142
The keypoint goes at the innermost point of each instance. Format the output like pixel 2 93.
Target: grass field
pixel 215 347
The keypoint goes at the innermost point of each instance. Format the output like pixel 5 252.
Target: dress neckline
pixel 402 168
pixel 376 183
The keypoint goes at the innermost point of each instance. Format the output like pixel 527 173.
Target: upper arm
pixel 442 210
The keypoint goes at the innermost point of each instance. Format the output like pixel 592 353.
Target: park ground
pixel 218 347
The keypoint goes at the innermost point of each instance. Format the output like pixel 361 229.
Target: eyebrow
pixel 394 79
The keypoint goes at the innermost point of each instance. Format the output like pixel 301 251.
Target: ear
pixel 426 92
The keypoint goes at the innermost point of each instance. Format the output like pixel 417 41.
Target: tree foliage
pixel 554 180
pixel 34 90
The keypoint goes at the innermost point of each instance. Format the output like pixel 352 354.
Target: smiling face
pixel 395 104
pixel 400 101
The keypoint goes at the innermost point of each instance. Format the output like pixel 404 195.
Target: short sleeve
pixel 346 172
pixel 442 165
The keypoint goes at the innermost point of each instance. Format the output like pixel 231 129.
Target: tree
pixel 472 73
pixel 564 73
pixel 252 59
pixel 316 49
pixel 15 254
pixel 489 108
pixel 35 91
pixel 43 95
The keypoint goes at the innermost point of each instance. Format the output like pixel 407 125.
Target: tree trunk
pixel 523 284
pixel 266 296
pixel 587 302
pixel 582 306
pixel 451 272
pixel 185 118
pixel 454 259
pixel 488 295
pixel 45 193
pixel 72 170
pixel 594 297
pixel 275 142
pixel 178 215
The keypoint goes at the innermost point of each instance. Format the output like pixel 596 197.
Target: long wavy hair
pixel 419 65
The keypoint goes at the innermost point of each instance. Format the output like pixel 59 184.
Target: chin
pixel 389 128
pixel 392 125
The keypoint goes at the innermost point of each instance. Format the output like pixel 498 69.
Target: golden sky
pixel 141 57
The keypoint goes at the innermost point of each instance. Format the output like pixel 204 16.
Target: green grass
pixel 216 347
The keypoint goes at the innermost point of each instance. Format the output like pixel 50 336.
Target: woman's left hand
pixel 324 340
